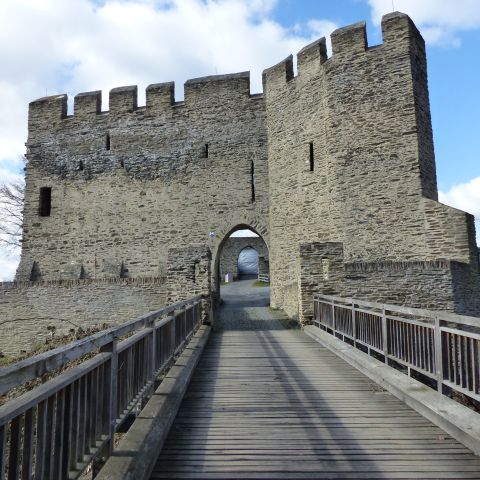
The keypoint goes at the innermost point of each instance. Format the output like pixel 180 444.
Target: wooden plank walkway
pixel 276 404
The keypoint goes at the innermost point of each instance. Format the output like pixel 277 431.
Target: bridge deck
pixel 273 403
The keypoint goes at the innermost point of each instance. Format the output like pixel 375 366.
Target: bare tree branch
pixel 11 213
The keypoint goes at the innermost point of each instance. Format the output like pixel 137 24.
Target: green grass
pixel 258 283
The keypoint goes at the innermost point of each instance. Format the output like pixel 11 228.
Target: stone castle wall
pixel 340 154
pixel 371 184
pixel 130 183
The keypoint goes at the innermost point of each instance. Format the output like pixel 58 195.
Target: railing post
pixel 198 313
pixel 334 322
pixel 173 335
pixel 384 334
pixel 184 325
pixel 112 393
pixel 438 355
pixel 354 325
pixel 153 346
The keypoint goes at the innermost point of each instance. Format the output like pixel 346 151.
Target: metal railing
pixel 264 277
pixel 442 346
pixel 59 427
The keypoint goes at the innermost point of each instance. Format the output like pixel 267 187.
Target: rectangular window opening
pixel 107 142
pixel 312 159
pixel 45 201
pixel 206 150
pixel 252 180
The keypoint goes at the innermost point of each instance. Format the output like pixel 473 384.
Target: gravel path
pixel 246 307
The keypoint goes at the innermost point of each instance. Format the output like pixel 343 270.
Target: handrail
pixel 56 429
pixel 264 277
pixel 429 342
pixel 20 372
pixel 442 315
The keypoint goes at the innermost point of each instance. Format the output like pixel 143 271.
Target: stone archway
pixel 232 249
pixel 218 244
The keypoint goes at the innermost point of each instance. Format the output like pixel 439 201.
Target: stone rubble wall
pixel 30 310
pixel 323 270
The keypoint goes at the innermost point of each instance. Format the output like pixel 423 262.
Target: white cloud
pixel 440 21
pixel 8 264
pixel 54 46
pixel 320 28
pixel 465 196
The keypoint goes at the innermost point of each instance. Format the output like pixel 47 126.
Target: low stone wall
pixel 435 284
pixel 414 284
pixel 32 311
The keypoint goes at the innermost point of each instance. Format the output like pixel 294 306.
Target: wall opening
pixel 252 180
pixel 243 252
pixel 80 165
pixel 312 159
pixel 107 142
pixel 247 262
pixel 205 150
pixel 45 206
pixel 241 257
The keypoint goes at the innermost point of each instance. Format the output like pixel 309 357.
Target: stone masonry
pixel 340 154
pixel 30 312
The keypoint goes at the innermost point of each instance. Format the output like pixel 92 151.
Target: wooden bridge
pixel 253 398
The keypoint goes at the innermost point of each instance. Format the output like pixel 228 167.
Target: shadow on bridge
pixel 256 406
pixel 270 402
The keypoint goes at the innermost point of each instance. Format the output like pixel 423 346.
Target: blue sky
pixel 58 46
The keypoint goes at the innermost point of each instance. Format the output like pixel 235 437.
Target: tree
pixel 11 213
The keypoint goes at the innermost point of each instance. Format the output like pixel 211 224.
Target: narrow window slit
pixel 80 165
pixel 206 150
pixel 107 142
pixel 312 158
pixel 45 206
pixel 252 180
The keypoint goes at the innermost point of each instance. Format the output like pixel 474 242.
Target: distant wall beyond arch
pixel 232 248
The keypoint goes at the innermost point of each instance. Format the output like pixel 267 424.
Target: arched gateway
pixel 334 168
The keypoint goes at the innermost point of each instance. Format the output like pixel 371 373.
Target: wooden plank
pixel 15 448
pixel 49 438
pixel 41 447
pixel 3 449
pixel 28 433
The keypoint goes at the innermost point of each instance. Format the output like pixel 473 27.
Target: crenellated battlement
pixel 348 42
pixel 160 97
pixel 398 31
